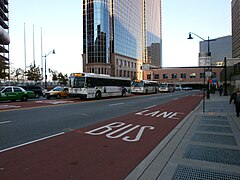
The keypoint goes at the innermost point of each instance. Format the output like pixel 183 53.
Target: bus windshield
pixel 137 84
pixel 78 82
pixel 164 85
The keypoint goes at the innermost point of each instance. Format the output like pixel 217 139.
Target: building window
pixel 174 76
pixel 120 73
pixel 183 75
pixel 192 75
pixel 165 76
pixel 156 76
pixel 201 75
pixel 149 76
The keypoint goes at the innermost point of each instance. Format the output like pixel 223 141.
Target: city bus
pixel 166 87
pixel 144 87
pixel 90 85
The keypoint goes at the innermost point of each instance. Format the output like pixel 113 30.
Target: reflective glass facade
pixel 115 31
pixel 235 28
pixel 96 33
pixel 152 31
pixel 128 28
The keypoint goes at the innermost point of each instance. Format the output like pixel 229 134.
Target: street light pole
pixel 209 54
pixel 225 77
pixel 46 55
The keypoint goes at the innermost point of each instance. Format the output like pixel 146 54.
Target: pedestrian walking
pixel 235 97
pixel 220 90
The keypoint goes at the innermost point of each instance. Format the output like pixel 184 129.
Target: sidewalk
pixel 203 146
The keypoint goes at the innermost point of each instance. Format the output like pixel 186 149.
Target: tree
pixel 54 75
pixel 62 79
pixel 3 68
pixel 17 73
pixel 34 73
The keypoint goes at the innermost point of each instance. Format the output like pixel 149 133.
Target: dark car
pixel 38 90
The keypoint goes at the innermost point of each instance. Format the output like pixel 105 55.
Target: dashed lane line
pixel 4 122
pixel 31 142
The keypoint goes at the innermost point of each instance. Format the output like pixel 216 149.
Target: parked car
pixel 57 92
pixel 38 90
pixel 178 88
pixel 14 93
pixel 187 88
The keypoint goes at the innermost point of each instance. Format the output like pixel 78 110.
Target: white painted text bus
pixel 89 85
pixel 144 87
pixel 166 87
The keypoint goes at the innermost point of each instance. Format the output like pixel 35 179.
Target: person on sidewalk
pixel 235 97
pixel 220 90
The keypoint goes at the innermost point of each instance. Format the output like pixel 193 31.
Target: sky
pixel 61 25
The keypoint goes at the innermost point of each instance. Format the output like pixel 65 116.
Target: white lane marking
pixel 24 144
pixel 115 104
pixel 5 122
pixel 5 106
pixel 53 102
pixel 150 107
pixel 154 98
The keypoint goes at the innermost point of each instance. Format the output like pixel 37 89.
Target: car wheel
pixel 24 98
pixel 58 96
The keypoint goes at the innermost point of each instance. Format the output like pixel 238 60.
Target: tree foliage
pixel 17 73
pixel 3 68
pixel 34 73
pixel 62 79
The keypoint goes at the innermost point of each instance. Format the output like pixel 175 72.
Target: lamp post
pixel 208 54
pixel 46 55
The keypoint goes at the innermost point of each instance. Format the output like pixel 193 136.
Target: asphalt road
pixel 26 125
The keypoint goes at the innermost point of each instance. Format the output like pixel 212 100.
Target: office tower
pixel 220 48
pixel 120 35
pixel 235 28
pixel 4 39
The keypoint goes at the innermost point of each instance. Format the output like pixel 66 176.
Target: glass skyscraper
pixel 120 35
pixel 235 28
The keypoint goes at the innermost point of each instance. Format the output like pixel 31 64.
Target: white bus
pixel 144 87
pixel 89 85
pixel 166 87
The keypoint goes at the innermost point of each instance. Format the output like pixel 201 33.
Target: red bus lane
pixel 107 150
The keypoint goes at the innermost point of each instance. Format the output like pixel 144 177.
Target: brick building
pixel 192 76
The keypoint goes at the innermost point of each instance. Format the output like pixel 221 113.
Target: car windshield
pixel 58 89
